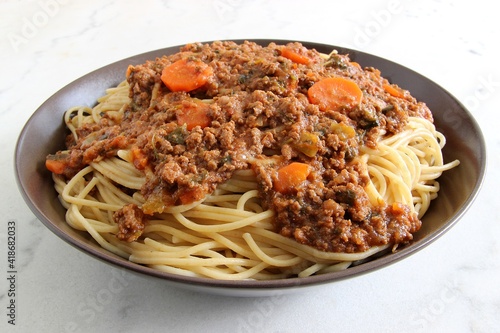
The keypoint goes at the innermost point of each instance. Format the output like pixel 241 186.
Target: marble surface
pixel 450 286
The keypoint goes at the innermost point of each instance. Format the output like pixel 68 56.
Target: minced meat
pixel 260 118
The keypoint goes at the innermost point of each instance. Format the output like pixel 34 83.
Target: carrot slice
pixel 291 176
pixel 335 93
pixel 193 113
pixel 186 75
pixel 296 55
pixel 394 91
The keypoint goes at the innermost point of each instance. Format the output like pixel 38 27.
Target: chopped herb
pixel 178 135
pixel 243 78
pixel 336 61
pixel 368 123
pixel 369 119
pixel 350 153
pixel 388 108
pixel 345 196
pixel 226 159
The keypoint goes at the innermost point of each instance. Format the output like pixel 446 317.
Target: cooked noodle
pixel 229 235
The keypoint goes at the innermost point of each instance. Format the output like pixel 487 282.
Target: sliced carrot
pixel 296 54
pixel 394 90
pixel 55 166
pixel 335 93
pixel 194 113
pixel 186 75
pixel 291 176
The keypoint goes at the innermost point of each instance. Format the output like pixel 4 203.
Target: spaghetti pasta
pixel 231 232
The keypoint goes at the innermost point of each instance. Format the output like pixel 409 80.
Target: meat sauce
pixel 254 112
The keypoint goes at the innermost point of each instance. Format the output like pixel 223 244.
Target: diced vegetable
pixel 190 195
pixel 139 158
pixel 129 70
pixel 186 75
pixel 336 61
pixel 55 166
pixel 155 203
pixel 178 135
pixel 343 131
pixel 368 119
pixel 346 196
pixel 308 144
pixel 335 93
pixel 291 176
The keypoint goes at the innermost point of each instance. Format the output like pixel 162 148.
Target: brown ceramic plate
pixel 44 133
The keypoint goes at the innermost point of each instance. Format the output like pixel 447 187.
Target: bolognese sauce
pixel 295 117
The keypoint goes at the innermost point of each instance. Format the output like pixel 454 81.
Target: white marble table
pixel 447 287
